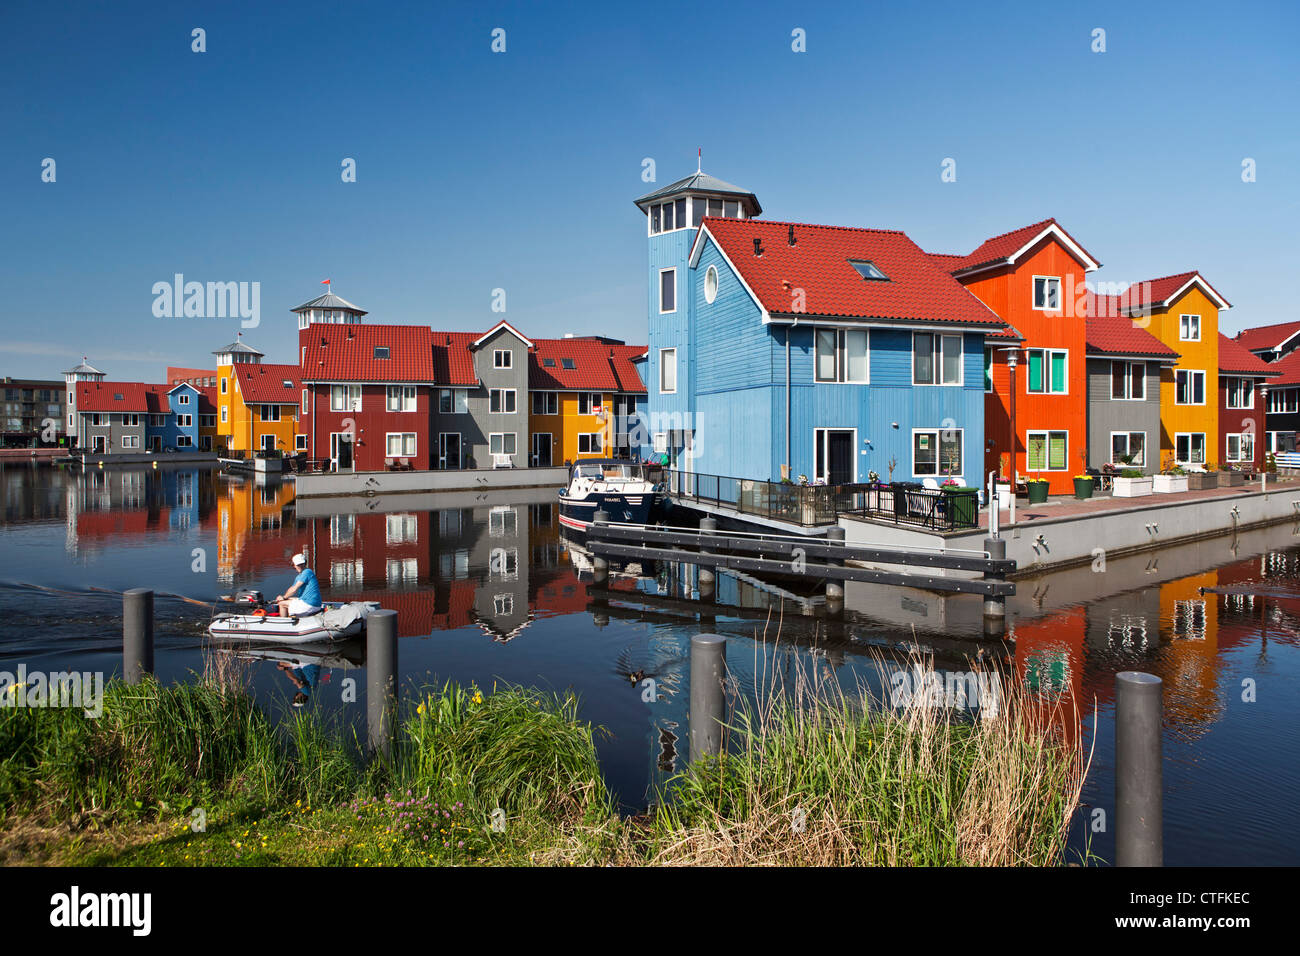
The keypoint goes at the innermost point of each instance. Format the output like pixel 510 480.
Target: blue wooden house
pixel 173 420
pixel 780 348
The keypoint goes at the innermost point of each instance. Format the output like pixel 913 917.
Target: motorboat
pixel 616 486
pixel 257 620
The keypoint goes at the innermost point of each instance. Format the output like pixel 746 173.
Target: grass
pixel 814 776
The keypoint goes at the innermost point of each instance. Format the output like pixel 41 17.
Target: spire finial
pixel 699 160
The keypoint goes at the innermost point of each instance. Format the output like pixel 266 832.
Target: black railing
pixel 804 505
pixel 952 509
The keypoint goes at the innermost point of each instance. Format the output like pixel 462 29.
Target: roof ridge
pixel 808 225
pixel 1003 235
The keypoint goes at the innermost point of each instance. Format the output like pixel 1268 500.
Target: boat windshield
pixel 607 471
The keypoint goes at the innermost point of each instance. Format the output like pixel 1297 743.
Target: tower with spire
pixel 85 372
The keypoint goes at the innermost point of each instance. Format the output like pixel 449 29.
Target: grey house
pixel 112 417
pixel 1124 364
pixel 492 418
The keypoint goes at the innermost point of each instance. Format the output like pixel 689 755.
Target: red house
pixel 1241 404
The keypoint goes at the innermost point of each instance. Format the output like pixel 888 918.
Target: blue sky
pixel 479 170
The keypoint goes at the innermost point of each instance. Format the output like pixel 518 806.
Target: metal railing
pixel 933 509
pixel 804 505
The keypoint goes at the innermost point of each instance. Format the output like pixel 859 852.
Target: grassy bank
pixel 198 774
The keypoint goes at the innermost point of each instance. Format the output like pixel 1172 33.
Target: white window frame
pixel 345 398
pixel 184 421
pixel 224 380
pixel 503 393
pixel 938 472
pixel 404 395
pixel 1128 447
pixel 402 444
pixel 1047 372
pixel 1182 333
pixel 458 399
pixel 550 402
pixel 841 357
pixel 1191 373
pixel 711 282
pixel 1248 389
pixel 1129 368
pixel 593 401
pixel 662 310
pixel 592 438
pixel 130 441
pixel 662 365
pixel 1241 437
pixel 497 358
pixel 1047 452
pixel 303 403
pixel 300 442
pixel 936 358
pixel 184 441
pixel 442 455
pixel 514 437
pixel 1189 436
pixel 401 527
pixel 988 374
pixel 183 399
pixel 1033 293
pixel 267 416
pixel 224 412
pixel 498 526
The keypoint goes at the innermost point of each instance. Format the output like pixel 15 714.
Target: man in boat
pixel 292 603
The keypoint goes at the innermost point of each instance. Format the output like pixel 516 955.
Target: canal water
pixel 489 591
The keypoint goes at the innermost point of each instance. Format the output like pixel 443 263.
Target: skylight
pixel 548 363
pixel 869 270
pixel 381 351
pixel 568 363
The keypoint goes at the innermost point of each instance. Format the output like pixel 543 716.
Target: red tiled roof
pixel 453 362
pixel 176 373
pixel 1267 336
pixel 265 384
pixel 598 366
pixel 208 400
pixel 1287 369
pixel 1117 335
pixel 1003 247
pixel 1234 357
pixel 1008 334
pixel 819 263
pixel 101 397
pixel 1159 291
pixel 346 353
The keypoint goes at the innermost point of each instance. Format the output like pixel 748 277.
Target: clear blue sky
pixel 478 170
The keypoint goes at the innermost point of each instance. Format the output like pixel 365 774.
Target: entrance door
pixel 341 450
pixel 156 443
pixel 98 446
pixel 835 464
pixel 541 450
pixel 449 451
pixel 268 443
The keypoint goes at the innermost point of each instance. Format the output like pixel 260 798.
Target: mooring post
pixel 995 605
pixel 137 634
pixel 707 577
pixel 834 587
pixel 381 680
pixel 1139 810
pixel 708 670
pixel 599 563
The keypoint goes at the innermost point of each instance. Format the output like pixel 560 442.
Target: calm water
pixel 487 590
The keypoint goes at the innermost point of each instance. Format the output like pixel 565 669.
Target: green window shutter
pixel 1058 372
pixel 1035 371
pixel 1056 450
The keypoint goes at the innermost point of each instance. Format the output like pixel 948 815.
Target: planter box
pixel 1004 494
pixel 1231 479
pixel 1168 484
pixel 1199 481
pixel 1132 487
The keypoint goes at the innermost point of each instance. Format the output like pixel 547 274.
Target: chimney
pixel 758 247
pixel 790 240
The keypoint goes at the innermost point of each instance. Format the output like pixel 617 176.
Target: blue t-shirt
pixel 310 593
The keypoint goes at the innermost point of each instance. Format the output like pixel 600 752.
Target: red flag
pixel 324 281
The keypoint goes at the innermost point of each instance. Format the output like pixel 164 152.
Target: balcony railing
pixel 907 503
pixel 804 505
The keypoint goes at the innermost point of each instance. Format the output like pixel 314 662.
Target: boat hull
pixel 576 513
pixel 306 629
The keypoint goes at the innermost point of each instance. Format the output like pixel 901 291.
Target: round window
pixel 711 284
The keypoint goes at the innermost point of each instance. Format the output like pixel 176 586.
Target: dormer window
pixel 381 351
pixel 869 270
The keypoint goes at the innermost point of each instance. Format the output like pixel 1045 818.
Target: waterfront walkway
pixel 1067 506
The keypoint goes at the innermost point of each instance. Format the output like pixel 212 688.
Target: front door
pixel 449 451
pixel 541 450
pixel 835 464
pixel 155 443
pixel 268 443
pixel 341 451
pixel 98 446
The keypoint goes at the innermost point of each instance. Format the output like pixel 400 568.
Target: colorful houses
pixel 1125 366
pixel 583 392
pixel 257 403
pixel 1241 405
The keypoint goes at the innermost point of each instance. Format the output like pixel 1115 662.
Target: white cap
pixel 300 559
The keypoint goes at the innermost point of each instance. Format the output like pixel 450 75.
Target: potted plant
pixel 1131 483
pixel 1003 484
pixel 1270 463
pixel 1230 477
pixel 1200 480
pixel 1037 488
pixel 1083 484
pixel 1171 480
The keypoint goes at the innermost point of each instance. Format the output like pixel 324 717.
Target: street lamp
pixel 1013 357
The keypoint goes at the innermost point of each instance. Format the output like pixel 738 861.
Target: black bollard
pixel 1139 810
pixel 137 634
pixel 381 680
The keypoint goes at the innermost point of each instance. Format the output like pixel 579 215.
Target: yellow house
pixel 1182 311
pixel 582 393
pixel 257 403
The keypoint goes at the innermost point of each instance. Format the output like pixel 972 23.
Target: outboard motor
pixel 249 596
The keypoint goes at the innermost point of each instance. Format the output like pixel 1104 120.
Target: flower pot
pixel 1037 491
pixel 1082 488
pixel 1132 487
pixel 1003 489
pixel 1199 481
pixel 1168 484
pixel 1231 479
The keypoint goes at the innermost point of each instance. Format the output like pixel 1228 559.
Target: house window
pixel 300 442
pixel 400 529
pixel 869 271
pixel 1241 447
pixel 567 364
pixel 503 522
pixel 589 444
pixel 1282 400
pixel 1189 448
pixel 1128 381
pixel 589 403
pixel 345 398
pixel 381 351
pixel 937 451
pixel 1128 448
pixel 184 441
pixel 546 403
pixel 399 444
pixel 1048 451
pixel 501 443
pixel 1047 293
pixel 1189 387
pixel 667 290
pixel 988 371
pixel 401 398
pixel 303 403
pixel 453 401
pixel 223 385
pixel 710 284
pixel 130 441
pixel 182 399
pixel 842 355
pixel 667 371
pixel 184 421
pixel 1241 392
pixel 270 413
pixel 936 359
pixel 1189 328
pixel 502 358
pixel 501 401
pixel 224 410
pixel 1047 371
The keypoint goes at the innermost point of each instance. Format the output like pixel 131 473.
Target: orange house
pixel 582 392
pixel 1033 279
